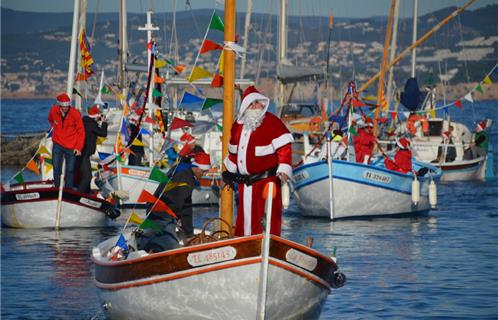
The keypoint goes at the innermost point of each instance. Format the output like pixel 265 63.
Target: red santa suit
pixel 363 144
pixel 403 158
pixel 267 147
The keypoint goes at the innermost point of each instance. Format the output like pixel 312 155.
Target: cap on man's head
pixel 369 122
pixel 481 126
pixel 94 111
pixel 202 160
pixel 248 91
pixel 403 143
pixel 250 95
pixel 63 100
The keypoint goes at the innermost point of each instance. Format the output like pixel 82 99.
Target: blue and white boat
pixel 360 190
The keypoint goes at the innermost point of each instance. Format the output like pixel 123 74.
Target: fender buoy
pixel 415 190
pixel 285 195
pixel 432 194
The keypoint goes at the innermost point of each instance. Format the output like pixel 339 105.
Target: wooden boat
pixel 34 205
pixel 217 280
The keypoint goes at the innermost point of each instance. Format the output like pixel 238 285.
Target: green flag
pixel 479 88
pixel 19 178
pixel 149 224
pixel 220 128
pixel 353 131
pixel 209 102
pixel 118 157
pixel 157 175
pixel 216 23
pixel 105 90
pixel 156 93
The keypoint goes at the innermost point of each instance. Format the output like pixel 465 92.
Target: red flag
pixel 357 103
pixel 209 45
pixel 179 123
pixel 159 205
pixel 149 120
pixel 187 149
pixel 217 81
pixel 458 103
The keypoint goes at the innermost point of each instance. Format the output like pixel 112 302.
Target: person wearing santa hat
pixel 259 151
pixel 364 142
pixel 481 138
pixel 68 138
pixel 402 159
pixel 95 126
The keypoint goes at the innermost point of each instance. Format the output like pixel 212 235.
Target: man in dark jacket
pixel 95 126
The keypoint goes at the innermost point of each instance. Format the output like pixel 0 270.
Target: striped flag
pixel 86 57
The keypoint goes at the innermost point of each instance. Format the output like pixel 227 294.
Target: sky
pixel 340 8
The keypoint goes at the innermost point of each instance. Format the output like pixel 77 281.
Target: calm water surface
pixel 443 265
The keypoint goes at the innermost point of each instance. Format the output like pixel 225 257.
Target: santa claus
pixel 260 151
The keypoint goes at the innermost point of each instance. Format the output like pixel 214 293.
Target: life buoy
pixel 315 124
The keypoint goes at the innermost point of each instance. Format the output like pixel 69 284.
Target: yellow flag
pixel 48 167
pixel 134 218
pixel 172 185
pixel 199 73
pixel 369 98
pixel 160 64
pixel 100 140
pixel 137 143
pixel 42 150
pixel 119 96
pixel 432 113
pixel 222 62
pixel 487 80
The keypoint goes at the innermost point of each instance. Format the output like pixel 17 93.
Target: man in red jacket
pixel 364 142
pixel 68 137
pixel 259 151
pixel 402 159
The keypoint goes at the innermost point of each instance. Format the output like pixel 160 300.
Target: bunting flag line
pixel 487 80
pixel 209 102
pixel 121 243
pixel 190 98
pixel 157 175
pixel 216 23
pixel 19 178
pixel 199 73
pixel 137 142
pixel 479 88
pixel 33 166
pixel 158 204
pixel 178 123
pixel 468 97
pixel 86 57
pixel 149 224
pixel 208 45
pixel 158 64
pixel 135 218
pixel 42 150
pixel 458 104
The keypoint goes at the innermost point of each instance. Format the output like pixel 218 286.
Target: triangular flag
pixel 103 155
pixel 122 243
pixel 216 23
pixel 219 127
pixel 393 114
pixel 135 218
pixel 178 123
pixel 158 79
pixel 137 142
pixel 487 80
pixel 159 64
pixel 42 150
pixel 353 131
pixel 31 165
pixel 149 224
pixel 19 178
pixel 48 167
pixel 458 103
pixel 217 81
pixel 479 88
pixel 357 103
pixel 77 93
pixel 100 140
pixel 157 175
pixel 159 205
pixel 144 131
pixel 179 68
pixel 199 73
pixel 221 63
pixel 209 102
pixel 156 93
pixel 172 185
pixel 105 90
pixel 190 98
pixel 209 45
pixel 468 97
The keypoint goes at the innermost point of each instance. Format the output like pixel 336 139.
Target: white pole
pixel 392 53
pixel 331 177
pixel 414 36
pixel 247 26
pixel 59 197
pixel 282 47
pixel 263 275
pixel 149 28
pixel 72 54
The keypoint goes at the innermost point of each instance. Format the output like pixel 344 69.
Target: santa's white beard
pixel 253 118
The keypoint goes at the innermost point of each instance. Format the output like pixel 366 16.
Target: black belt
pixel 247 179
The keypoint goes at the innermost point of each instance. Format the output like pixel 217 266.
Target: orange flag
pixel 159 205
pixel 31 165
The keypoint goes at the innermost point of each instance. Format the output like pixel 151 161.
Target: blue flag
pixel 103 155
pixel 122 243
pixel 190 98
pixel 144 131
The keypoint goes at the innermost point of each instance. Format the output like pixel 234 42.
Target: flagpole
pixel 59 197
pixel 226 207
pixel 72 53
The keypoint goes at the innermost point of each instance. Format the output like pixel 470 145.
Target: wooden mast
pixel 226 207
pixel 417 43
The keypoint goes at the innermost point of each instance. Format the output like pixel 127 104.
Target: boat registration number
pixel 377 177
pixel 90 203
pixel 301 259
pixel 299 177
pixel 27 196
pixel 202 258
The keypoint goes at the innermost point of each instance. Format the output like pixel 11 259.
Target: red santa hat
pixel 250 95
pixel 369 122
pixel 202 160
pixel 133 118
pixel 94 111
pixel 63 100
pixel 481 126
pixel 403 143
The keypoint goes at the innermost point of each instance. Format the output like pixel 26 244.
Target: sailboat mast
pixel 72 53
pixel 247 27
pixel 123 41
pixel 282 46
pixel 392 52
pixel 414 36
pixel 81 28
pixel 226 207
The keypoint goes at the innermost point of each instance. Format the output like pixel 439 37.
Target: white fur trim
pixel 232 167
pixel 202 166
pixel 232 148
pixel 264 150
pixel 282 140
pixel 247 190
pixel 242 150
pixel 250 98
pixel 285 168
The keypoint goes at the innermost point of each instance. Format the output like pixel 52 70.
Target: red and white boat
pixel 34 205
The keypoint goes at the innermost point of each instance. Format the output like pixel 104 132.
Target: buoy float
pixel 285 195
pixel 432 194
pixel 415 190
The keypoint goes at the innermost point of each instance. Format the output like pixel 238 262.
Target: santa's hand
pixel 283 177
pixel 77 152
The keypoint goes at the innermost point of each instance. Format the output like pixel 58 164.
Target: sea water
pixel 443 265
